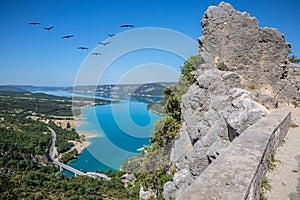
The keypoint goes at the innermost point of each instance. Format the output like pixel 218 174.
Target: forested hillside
pixel 25 169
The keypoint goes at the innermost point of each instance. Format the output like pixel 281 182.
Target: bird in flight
pixel 67 36
pixel 83 48
pixel 34 23
pixel 127 26
pixel 104 43
pixel 49 28
pixel 111 35
pixel 96 53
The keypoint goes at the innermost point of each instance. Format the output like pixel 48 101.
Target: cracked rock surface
pixel 222 104
pixel 257 55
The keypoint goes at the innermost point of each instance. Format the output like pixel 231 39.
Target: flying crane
pixel 83 48
pixel 127 26
pixel 67 36
pixel 49 28
pixel 34 23
pixel 96 54
pixel 104 43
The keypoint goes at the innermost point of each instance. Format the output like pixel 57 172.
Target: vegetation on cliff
pixel 167 128
pixel 152 168
pixel 293 58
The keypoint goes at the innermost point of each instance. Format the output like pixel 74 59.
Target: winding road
pixel 53 150
pixel 54 158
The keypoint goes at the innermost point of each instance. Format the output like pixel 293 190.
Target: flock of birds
pixel 84 48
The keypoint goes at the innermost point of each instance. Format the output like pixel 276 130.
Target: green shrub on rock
pixel 166 129
pixel 222 66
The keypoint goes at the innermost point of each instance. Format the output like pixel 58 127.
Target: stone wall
pixel 238 172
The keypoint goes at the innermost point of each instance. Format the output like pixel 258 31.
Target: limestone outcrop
pixel 214 111
pixel 257 55
pixel 225 101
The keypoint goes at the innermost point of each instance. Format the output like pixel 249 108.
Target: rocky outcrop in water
pixel 222 104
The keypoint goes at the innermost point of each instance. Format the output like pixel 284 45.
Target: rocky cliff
pixel 255 75
pixel 257 55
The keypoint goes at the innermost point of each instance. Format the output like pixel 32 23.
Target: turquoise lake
pixel 120 128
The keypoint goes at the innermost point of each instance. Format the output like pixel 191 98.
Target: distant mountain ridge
pixel 147 92
pixel 28 88
pixel 10 88
pixel 123 91
pixel 119 90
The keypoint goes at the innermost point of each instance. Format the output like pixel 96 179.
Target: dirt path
pixel 285 178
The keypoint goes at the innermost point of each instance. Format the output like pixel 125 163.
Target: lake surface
pixel 120 128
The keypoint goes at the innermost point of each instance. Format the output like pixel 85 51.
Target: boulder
pixel 180 178
pixel 243 111
pixel 146 194
pixel 170 190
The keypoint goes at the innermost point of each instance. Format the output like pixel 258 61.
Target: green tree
pixel 293 58
pixel 166 129
pixel 189 66
pixel 68 125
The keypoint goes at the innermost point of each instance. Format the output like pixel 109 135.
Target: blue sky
pixel 31 55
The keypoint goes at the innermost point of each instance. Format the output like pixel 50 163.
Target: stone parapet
pixel 238 172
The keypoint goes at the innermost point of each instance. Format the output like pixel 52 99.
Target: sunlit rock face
pixel 245 72
pixel 257 55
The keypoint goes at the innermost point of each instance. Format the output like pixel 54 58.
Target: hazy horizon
pixel 57 86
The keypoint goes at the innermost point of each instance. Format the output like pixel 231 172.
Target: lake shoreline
pixel 78 122
pixel 85 125
pixel 157 112
pixel 74 124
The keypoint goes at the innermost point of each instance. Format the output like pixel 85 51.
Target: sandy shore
pixel 86 134
pixel 79 146
pixel 74 123
pixel 78 122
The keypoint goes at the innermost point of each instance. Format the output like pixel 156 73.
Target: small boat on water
pixel 142 148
